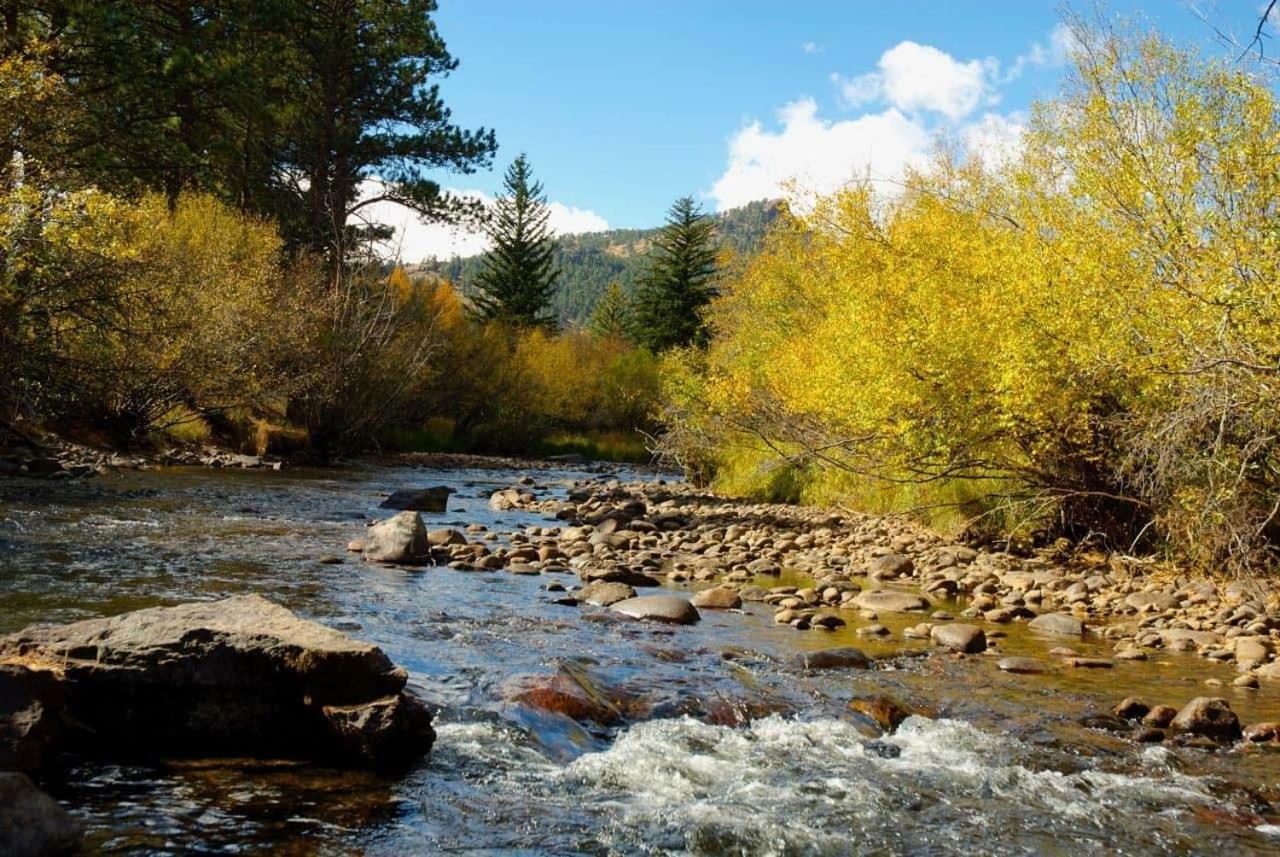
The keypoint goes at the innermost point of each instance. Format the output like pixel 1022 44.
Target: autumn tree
pixel 679 282
pixel 519 276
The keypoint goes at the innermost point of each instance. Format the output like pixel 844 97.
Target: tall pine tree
pixel 611 315
pixel 519 277
pixel 680 281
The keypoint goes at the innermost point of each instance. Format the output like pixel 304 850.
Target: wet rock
pixel 890 600
pixel 1131 708
pixel 445 538
pixel 890 567
pixel 1160 716
pixel 1208 716
pixel 1057 624
pixel 617 574
pixel 241 676
pixel 330 559
pixel 659 608
pixel 969 639
pixel 830 659
pixel 605 592
pixel 1026 666
pixel 31 709
pixel 1079 663
pixel 1148 735
pixel 32 824
pixel 887 713
pixel 1248 682
pixel 1130 653
pixel 567 694
pixel 1259 733
pixel 401 539
pixel 434 499
pixel 1106 722
pixel 1157 601
pixel 356 546
pixel 717 598
pixel 509 498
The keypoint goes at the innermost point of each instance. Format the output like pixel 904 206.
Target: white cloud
pixel 1062 43
pixel 914 77
pixel 816 154
pixel 415 241
pixel 994 138
pixel 812 48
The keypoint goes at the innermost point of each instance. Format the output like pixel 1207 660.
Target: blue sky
pixel 624 106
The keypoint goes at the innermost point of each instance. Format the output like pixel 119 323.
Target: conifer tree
pixel 611 316
pixel 519 278
pixel 679 282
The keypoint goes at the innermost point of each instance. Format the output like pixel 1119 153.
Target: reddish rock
pixel 887 713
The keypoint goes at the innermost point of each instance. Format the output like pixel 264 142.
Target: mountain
pixel 589 262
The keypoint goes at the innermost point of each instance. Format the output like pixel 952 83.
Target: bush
pixel 1079 340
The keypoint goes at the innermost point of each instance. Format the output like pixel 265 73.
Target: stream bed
pixel 731 748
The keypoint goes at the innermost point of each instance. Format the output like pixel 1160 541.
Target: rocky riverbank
pixel 846 569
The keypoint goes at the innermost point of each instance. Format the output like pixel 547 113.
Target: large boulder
pixel 419 499
pixel 604 593
pixel 510 498
pixel 32 824
pixel 241 676
pixel 1208 716
pixel 717 598
pixel 659 608
pixel 1058 625
pixel 400 539
pixel 890 600
pixel 969 639
pixel 832 659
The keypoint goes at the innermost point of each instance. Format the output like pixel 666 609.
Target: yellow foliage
pixel 1089 327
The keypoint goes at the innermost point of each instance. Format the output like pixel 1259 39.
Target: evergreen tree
pixel 679 281
pixel 519 277
pixel 611 316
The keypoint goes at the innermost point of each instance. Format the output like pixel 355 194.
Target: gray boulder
pixel 1057 624
pixel 241 676
pixel 400 539
pixel 969 639
pixel 32 824
pixel 1208 716
pixel 419 499
pixel 659 608
pixel 604 593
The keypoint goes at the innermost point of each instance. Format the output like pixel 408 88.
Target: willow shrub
pixel 1079 339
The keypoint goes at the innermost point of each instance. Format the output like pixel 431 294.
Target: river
pixel 1000 765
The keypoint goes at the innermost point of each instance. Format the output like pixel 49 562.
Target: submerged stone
pixel 434 499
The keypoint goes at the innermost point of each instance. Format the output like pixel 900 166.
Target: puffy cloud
pixel 811 48
pixel 1062 43
pixel 914 77
pixel 994 138
pixel 817 155
pixel 415 241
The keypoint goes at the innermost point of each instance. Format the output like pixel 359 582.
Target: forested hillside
pixel 590 262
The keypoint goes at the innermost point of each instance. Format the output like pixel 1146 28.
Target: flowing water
pixel 726 748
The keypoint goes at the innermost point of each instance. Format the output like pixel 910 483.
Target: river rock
pixel 605 592
pixel 887 713
pixel 31 709
pixel 616 574
pixel 1158 601
pixel 969 639
pixel 1268 731
pixel 891 600
pixel 659 608
pixel 1160 716
pixel 32 824
pixel 508 499
pixel 1131 708
pixel 717 598
pixel 419 499
pixel 240 676
pixel 890 567
pixel 1027 666
pixel 445 538
pixel 400 539
pixel 1208 716
pixel 1058 624
pixel 563 693
pixel 845 657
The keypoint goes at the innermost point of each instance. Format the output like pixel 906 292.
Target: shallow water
pixel 999 766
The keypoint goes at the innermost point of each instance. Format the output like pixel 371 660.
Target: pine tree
pixel 612 315
pixel 518 278
pixel 679 282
